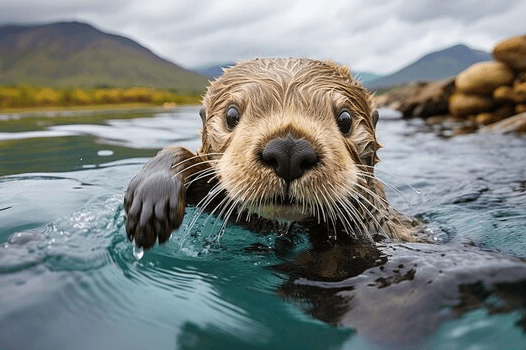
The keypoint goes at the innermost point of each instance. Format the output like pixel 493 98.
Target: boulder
pixel 421 100
pixel 517 123
pixel 493 117
pixel 512 51
pixel 462 105
pixel 520 109
pixel 483 78
pixel 519 93
pixel 504 94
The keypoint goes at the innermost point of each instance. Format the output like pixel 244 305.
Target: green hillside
pixel 76 54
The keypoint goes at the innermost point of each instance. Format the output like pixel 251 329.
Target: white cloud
pixel 375 35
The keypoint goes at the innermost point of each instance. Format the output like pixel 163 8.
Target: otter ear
pixel 202 113
pixel 376 116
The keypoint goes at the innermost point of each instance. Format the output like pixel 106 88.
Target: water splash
pixel 138 252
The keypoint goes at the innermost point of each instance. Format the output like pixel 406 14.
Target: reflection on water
pixel 69 279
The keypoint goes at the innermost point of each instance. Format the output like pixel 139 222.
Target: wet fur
pixel 395 294
pixel 275 97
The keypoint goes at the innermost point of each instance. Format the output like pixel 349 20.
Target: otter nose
pixel 289 157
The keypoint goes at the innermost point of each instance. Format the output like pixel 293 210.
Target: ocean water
pixel 70 279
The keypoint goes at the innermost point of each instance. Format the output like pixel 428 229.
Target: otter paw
pixel 154 206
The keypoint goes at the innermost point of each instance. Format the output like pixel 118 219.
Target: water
pixel 69 278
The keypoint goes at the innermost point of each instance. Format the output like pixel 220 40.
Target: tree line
pixel 30 96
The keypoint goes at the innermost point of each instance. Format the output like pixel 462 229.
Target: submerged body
pixel 283 140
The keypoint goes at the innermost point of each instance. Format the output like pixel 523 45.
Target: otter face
pixel 291 139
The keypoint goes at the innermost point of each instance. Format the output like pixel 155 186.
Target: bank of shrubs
pixel 29 96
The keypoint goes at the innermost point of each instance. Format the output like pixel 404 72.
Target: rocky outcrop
pixel 517 123
pixel 493 91
pixel 463 105
pixel 512 52
pixel 420 100
pixel 482 95
pixel 483 78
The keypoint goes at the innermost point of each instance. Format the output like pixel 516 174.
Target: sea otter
pixel 283 140
pixel 293 141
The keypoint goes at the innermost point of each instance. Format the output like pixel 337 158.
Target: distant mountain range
pixel 434 66
pixel 77 54
pixel 215 71
pixel 366 77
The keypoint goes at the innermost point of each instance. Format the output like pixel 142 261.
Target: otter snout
pixel 289 157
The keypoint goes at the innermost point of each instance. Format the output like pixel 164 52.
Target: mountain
pixel 77 54
pixel 434 66
pixel 213 72
pixel 365 77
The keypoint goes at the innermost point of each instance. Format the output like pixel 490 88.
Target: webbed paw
pixel 154 205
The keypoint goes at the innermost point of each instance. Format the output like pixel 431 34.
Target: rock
pixel 520 109
pixel 503 94
pixel 493 117
pixel 421 100
pixel 461 105
pixel 437 119
pixel 512 51
pixel 517 123
pixel 465 129
pixel 483 78
pixel 519 93
pixel 486 118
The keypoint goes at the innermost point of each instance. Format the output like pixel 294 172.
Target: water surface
pixel 69 278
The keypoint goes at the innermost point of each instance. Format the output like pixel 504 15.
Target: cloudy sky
pixel 369 35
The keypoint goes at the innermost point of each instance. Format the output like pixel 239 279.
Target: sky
pixel 380 36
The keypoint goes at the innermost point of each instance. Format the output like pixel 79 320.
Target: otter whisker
pixel 329 202
pixel 364 232
pixel 381 201
pixel 378 225
pixel 202 174
pixel 198 155
pixel 223 205
pixel 320 206
pixel 389 216
pixel 203 203
pixel 392 175
pixel 385 183
pixel 352 213
pixel 210 173
pixel 343 218
pixel 195 165
pixel 227 217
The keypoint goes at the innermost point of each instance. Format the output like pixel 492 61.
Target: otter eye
pixel 232 117
pixel 344 121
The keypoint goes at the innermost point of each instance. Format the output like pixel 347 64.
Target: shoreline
pixel 16 113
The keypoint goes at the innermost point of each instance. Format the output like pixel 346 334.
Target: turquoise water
pixel 69 278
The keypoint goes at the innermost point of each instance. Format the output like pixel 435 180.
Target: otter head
pixel 291 139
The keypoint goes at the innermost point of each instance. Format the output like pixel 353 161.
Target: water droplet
pixel 138 252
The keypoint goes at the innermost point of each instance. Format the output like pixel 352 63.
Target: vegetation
pixel 60 55
pixel 30 96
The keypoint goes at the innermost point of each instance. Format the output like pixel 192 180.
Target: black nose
pixel 289 157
